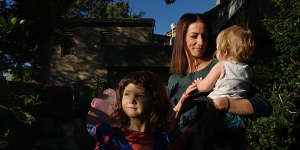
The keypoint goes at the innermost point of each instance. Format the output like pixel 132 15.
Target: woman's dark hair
pixel 159 108
pixel 179 62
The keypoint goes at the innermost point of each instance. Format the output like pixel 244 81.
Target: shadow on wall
pixel 115 74
pixel 93 51
pixel 83 62
pixel 130 56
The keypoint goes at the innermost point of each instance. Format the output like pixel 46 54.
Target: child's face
pixel 134 101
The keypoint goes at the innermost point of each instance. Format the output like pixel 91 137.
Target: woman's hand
pixel 235 106
pixel 221 103
pixel 188 92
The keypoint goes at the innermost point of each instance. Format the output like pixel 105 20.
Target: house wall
pixel 131 36
pixel 96 48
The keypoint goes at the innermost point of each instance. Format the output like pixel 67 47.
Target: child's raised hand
pixel 198 80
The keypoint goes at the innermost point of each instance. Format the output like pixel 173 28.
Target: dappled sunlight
pixel 95 48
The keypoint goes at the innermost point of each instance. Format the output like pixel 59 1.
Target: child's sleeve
pixel 162 142
pixel 100 131
pixel 95 131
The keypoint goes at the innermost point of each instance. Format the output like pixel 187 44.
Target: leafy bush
pixel 19 106
pixel 279 131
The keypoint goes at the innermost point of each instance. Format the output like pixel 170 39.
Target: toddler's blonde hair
pixel 237 41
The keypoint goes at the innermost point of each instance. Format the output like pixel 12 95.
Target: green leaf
pixel 22 21
pixel 13 20
pixel 28 100
pixel 2 21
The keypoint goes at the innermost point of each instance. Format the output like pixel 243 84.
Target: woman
pixel 192 57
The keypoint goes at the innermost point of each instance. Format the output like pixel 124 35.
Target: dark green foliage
pixel 101 9
pixel 88 9
pixel 16 44
pixel 19 105
pixel 27 96
pixel 279 131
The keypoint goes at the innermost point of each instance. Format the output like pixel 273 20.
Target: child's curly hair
pixel 155 91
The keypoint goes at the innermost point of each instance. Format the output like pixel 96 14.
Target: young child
pixel 231 77
pixel 142 115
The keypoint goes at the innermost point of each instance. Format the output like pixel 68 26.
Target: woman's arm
pixel 261 106
pixel 257 106
pixel 239 107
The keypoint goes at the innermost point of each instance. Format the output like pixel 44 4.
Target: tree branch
pixel 291 112
pixel 295 62
pixel 170 1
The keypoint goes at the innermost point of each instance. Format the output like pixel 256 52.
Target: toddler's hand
pixel 198 80
pixel 221 103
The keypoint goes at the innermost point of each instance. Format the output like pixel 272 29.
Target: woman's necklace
pixel 198 65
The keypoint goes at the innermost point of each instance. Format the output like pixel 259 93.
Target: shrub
pixel 279 131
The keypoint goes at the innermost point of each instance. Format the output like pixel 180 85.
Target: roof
pixel 136 22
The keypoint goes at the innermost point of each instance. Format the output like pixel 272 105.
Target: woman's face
pixel 196 39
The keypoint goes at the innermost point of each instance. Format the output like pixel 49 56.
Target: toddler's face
pixel 134 101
